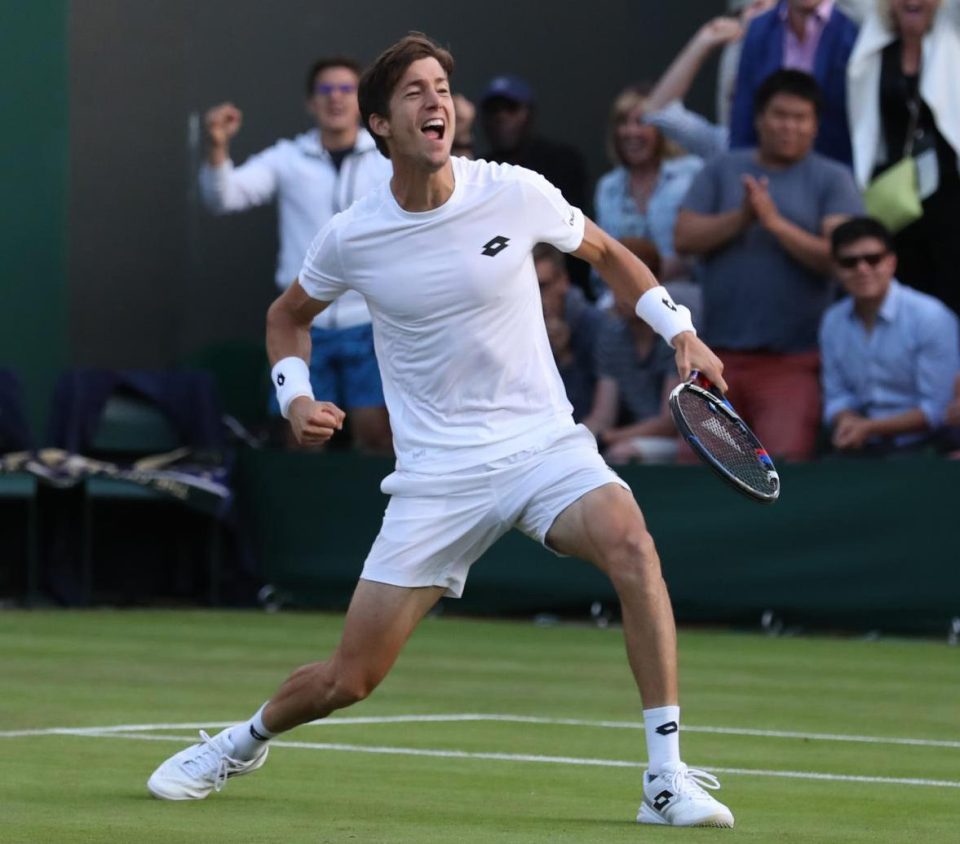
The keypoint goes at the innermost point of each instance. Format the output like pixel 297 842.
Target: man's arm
pixel 700 234
pixel 606 403
pixel 679 76
pixel 811 250
pixel 838 394
pixel 852 431
pixel 225 188
pixel 661 425
pixel 288 348
pixel 690 130
pixel 629 278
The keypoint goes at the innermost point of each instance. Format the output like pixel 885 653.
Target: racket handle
pixel 701 380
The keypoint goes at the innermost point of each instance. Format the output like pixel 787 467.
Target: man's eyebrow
pixel 419 83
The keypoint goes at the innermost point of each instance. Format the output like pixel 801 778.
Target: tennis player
pixel 483 432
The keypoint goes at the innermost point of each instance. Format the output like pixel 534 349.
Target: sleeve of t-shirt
pixel 838 395
pixel 703 195
pixel 840 193
pixel 322 274
pixel 552 219
pixel 937 364
pixel 227 188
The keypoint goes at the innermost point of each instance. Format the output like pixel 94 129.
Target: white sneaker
pixel 193 773
pixel 676 797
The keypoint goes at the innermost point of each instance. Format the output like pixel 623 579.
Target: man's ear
pixel 380 125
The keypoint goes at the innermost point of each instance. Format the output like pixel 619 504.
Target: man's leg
pixel 606 528
pixel 379 621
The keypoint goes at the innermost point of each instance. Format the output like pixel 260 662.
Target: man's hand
pixel 953 409
pixel 693 353
pixel 314 422
pixel 851 431
pixel 759 201
pixel 221 123
pixel 717 32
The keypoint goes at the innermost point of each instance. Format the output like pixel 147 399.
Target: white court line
pixel 525 757
pixel 512 719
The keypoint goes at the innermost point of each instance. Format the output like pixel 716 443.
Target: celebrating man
pixel 483 432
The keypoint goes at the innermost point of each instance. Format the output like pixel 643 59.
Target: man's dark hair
pixel 793 82
pixel 857 229
pixel 320 65
pixel 379 80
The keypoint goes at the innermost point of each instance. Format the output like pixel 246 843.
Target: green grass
pixel 94 669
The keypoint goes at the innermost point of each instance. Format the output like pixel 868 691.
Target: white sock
pixel 250 736
pixel 662 726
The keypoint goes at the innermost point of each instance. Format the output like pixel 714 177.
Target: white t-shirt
pixel 468 373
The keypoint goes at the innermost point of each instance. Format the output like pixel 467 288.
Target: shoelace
pixel 211 760
pixel 693 780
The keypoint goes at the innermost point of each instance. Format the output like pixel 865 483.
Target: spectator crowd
pixel 812 228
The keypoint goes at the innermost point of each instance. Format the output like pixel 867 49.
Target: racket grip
pixel 701 380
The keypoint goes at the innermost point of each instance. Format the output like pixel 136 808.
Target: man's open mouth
pixel 434 128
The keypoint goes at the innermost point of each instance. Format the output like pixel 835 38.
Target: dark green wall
pixel 33 172
pixel 851 544
pixel 153 277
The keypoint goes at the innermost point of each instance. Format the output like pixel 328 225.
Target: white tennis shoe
pixel 677 797
pixel 206 766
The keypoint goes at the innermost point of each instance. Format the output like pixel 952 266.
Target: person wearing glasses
pixel 890 353
pixel 312 177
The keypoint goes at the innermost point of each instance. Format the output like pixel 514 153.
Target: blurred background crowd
pixel 831 298
pixel 808 219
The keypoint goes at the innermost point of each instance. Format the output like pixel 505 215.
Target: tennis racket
pixel 722 439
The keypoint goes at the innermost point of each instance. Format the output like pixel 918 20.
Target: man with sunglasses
pixel 890 353
pixel 313 176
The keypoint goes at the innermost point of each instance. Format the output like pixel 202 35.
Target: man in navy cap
pixel 507 111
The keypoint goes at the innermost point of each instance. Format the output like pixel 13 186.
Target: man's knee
pixel 350 688
pixel 630 556
pixel 336 684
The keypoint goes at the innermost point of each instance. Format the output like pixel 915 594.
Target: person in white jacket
pixel 907 56
pixel 314 176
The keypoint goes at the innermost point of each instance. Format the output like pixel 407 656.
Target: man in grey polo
pixel 760 221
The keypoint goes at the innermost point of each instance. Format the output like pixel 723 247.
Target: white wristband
pixel 657 308
pixel 291 378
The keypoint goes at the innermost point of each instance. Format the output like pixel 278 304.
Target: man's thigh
pixel 379 621
pixel 590 524
pixel 565 473
pixel 433 530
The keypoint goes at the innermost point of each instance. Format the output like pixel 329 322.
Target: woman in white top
pixel 907 56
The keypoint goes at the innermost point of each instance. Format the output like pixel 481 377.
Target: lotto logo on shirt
pixel 495 246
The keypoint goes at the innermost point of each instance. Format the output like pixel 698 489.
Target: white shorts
pixel 437 526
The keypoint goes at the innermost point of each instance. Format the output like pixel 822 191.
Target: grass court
pixel 486 731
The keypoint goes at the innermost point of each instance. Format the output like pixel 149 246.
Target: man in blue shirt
pixel 890 354
pixel 808 35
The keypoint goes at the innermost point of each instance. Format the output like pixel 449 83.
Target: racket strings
pixel 729 442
